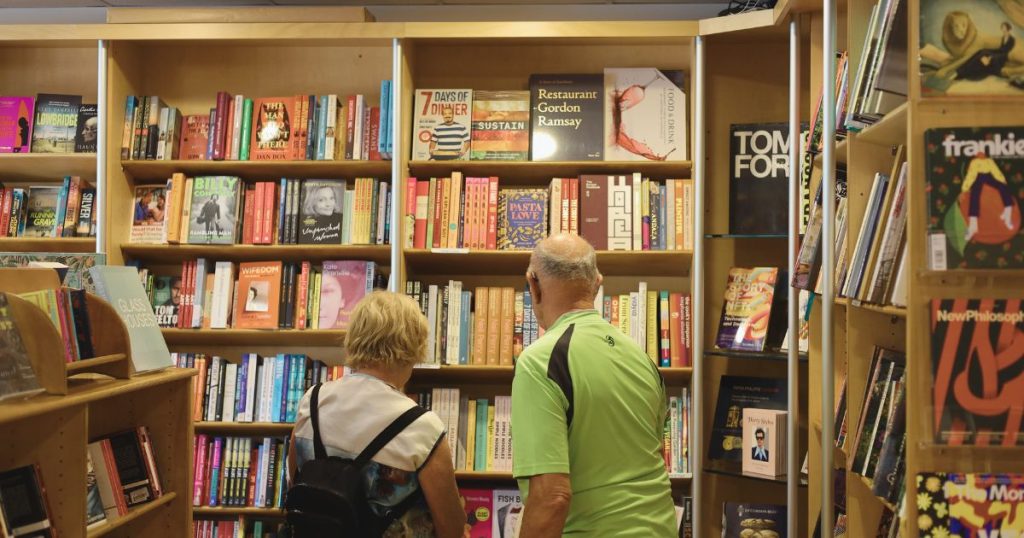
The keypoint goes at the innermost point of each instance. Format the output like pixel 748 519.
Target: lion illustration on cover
pixel 981 49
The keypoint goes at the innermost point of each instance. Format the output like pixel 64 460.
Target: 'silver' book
pixel 747 310
pixel 970 505
pixel 975 184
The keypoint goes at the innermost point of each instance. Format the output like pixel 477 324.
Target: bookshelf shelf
pixel 249 511
pixel 289 253
pixel 48 244
pixel 245 428
pixel 735 470
pixel 86 364
pixel 132 515
pixel 503 374
pixel 143 171
pixel 753 355
pixel 889 131
pixel 746 236
pixel 507 476
pixel 17 168
pixel 505 262
pixel 540 173
pixel 254 337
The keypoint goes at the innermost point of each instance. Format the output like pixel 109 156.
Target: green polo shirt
pixel 588 402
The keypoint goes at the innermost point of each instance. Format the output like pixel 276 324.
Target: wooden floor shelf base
pixel 132 515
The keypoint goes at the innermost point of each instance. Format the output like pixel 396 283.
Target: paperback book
pixel 764 441
pixel 16 115
pixel 87 129
pixel 321 216
pixel 17 378
pixel 501 126
pixel 272 128
pixel 441 126
pixel 55 124
pixel 195 132
pixel 566 117
pixel 747 311
pixel 970 505
pixel 41 214
pixel 24 507
pixel 522 218
pixel 644 116
pixel 343 284
pixel 148 215
pixel 259 293
pixel 214 210
pixel 166 299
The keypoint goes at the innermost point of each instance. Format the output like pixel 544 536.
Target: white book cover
pixel 899 286
pixel 214 373
pixel 644 116
pixel 641 320
pixel 441 125
pixel 161 150
pixel 331 128
pixel 506 513
pixel 555 201
pixel 269 367
pixel 357 137
pixel 236 127
pixel 687 215
pixel 432 324
pixel 620 213
pixel 223 295
pixel 200 295
pixel 453 421
pixel 227 411
pixel 638 183
pixel 764 441
pixel 250 386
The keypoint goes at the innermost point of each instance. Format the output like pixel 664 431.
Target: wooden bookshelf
pixel 540 173
pixel 18 168
pixel 254 337
pixel 245 428
pixel 48 244
pixel 133 514
pixel 514 262
pixel 168 254
pixel 248 511
pixel 157 171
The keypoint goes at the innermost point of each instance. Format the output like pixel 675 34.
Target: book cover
pixel 764 441
pixel 477 503
pixel 506 513
pixel 55 123
pixel 16 115
pixel 214 209
pixel 17 378
pixel 501 126
pixel 87 129
pixel 620 209
pixel 259 295
pixel 120 286
pixel 975 184
pixel 759 178
pixel 977 349
pixel 167 300
pixel 343 284
pixel 522 218
pixel 594 210
pixel 442 123
pixel 131 468
pixel 321 215
pixel 41 213
pixel 272 129
pixel 971 48
pixel 77 274
pixel 566 117
pixel 746 520
pixel 24 510
pixel 195 133
pixel 746 312
pixel 94 513
pixel 148 214
pixel 644 116
pixel 971 505
pixel 736 393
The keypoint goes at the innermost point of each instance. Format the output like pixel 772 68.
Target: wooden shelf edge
pixel 205 425
pixel 132 515
pixel 237 510
pixel 86 364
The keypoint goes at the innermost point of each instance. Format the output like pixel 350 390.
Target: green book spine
pixel 243 151
pixel 480 458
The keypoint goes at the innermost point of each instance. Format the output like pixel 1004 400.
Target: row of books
pixel 479 430
pixel 504 506
pixel 257 389
pixel 881 83
pixel 300 127
pixel 243 527
pixel 226 210
pixel 260 295
pixel 239 471
pixel 47 123
pixel 659 321
pixel 48 211
pixel 612 212
pixel 121 473
pixel 67 309
pixel 676 445
pixel 621 114
pixel 815 142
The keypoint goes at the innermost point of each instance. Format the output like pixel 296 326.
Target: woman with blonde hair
pixel 413 472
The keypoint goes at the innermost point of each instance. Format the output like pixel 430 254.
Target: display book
pixel 17 377
pixel 815 142
pixel 764 441
pixel 622 114
pixel 881 79
pixel 120 286
pixel 300 127
pixel 753 314
pixel 67 309
pixel 735 394
pixel 49 210
pixel 226 210
pixel 969 504
pixel 748 520
pixel 759 178
pixel 243 525
pixel 24 504
pixel 492 513
pixel 239 471
pixel 614 212
pixel 124 472
pixel 260 295
pixel 47 123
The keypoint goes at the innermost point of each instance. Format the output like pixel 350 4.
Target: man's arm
pixel 547 506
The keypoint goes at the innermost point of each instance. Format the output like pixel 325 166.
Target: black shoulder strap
pixel 319 452
pixel 389 433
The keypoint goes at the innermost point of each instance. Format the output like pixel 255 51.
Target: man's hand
pixel 547 506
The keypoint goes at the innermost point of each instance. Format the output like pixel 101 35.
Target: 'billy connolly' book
pixel 214 209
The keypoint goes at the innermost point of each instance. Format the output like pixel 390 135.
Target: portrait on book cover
pixel 759 451
pixel 321 214
pixel 257 295
pixel 341 288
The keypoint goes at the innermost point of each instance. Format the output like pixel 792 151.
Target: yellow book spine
pixel 652 325
pixel 490 437
pixel 471 435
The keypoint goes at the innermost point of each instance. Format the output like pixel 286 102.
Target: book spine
pixel 492 214
pixel 675 342
pixel 245 138
pixel 350 125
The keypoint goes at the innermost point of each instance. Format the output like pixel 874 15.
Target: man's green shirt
pixel 587 401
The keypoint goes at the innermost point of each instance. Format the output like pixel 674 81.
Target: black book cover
pixel 566 117
pixel 83 330
pixel 320 218
pixel 759 178
pixel 23 504
pixel 87 129
pixel 734 394
pixel 746 520
pixel 131 468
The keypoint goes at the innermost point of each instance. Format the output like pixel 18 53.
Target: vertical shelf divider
pixel 697 287
pixel 828 177
pixel 793 352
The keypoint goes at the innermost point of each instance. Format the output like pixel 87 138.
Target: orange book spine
pixel 480 326
pixel 445 216
pixel 508 316
pixel 248 215
pixel 454 203
pixel 678 216
pixel 674 336
pixel 269 206
pixel 615 311
pixel 493 324
pixel 199 388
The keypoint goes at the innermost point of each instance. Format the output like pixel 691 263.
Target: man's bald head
pixel 568 261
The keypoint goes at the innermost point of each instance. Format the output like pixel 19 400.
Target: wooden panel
pixel 254 337
pixel 66 69
pixel 237 15
pixel 529 173
pixel 157 171
pixel 25 168
pixel 47 244
pixel 174 254
pixel 509 262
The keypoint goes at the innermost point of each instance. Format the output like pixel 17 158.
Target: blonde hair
pixel 386 330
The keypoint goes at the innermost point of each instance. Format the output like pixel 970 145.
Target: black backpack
pixel 328 495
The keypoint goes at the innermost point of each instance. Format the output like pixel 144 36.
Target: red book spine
pixel 229 128
pixel 469 232
pixel 565 204
pixel 184 293
pixel 199 389
pixel 438 214
pixel 420 229
pixel 675 317
pixel 248 215
pixel 687 320
pixel 254 459
pixel 269 202
pixel 257 213
pixel 374 154
pixel 6 197
pixel 300 300
pixel 222 122
pixel 115 477
pixel 350 126
pixel 492 213
pixel 296 134
pixel 65 329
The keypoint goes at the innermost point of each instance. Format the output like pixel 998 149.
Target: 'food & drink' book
pixel 644 116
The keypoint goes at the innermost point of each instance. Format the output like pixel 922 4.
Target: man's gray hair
pixel 578 265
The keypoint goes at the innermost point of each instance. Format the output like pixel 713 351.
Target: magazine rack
pixel 43 342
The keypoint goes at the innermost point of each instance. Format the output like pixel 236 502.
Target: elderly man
pixel 588 411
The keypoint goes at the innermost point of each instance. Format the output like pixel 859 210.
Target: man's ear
pixel 534 284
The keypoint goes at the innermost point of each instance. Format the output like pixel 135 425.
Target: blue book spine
pixel 321 129
pixel 387 215
pixel 281 213
pixel 300 387
pixel 464 326
pixel 240 387
pixel 382 126
pixel 480 457
pixel 62 208
pixel 212 134
pixel 275 402
pixel 293 381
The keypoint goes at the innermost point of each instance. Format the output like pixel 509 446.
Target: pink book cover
pixel 344 283
pixel 16 124
pixel 477 505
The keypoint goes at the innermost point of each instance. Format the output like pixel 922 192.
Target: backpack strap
pixel 319 451
pixel 389 433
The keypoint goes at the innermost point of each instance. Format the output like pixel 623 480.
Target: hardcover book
pixel 259 295
pixel 55 124
pixel 764 441
pixel 16 115
pixel 745 520
pixel 87 129
pixel 120 286
pixel 195 133
pixel 501 126
pixel 506 513
pixel 970 505
pixel 747 310
pixel 977 348
pixel 971 47
pixel 17 378
pixel 214 210
pixel 24 509
pixel 735 394
pixel 41 215
pixel 566 119
pixel 620 210
pixel 442 123
pixel 272 130
pixel 149 209
pixel 594 210
pixel 759 178
pixel 975 184
pixel 343 284
pixel 522 218
pixel 644 116
pixel 321 216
